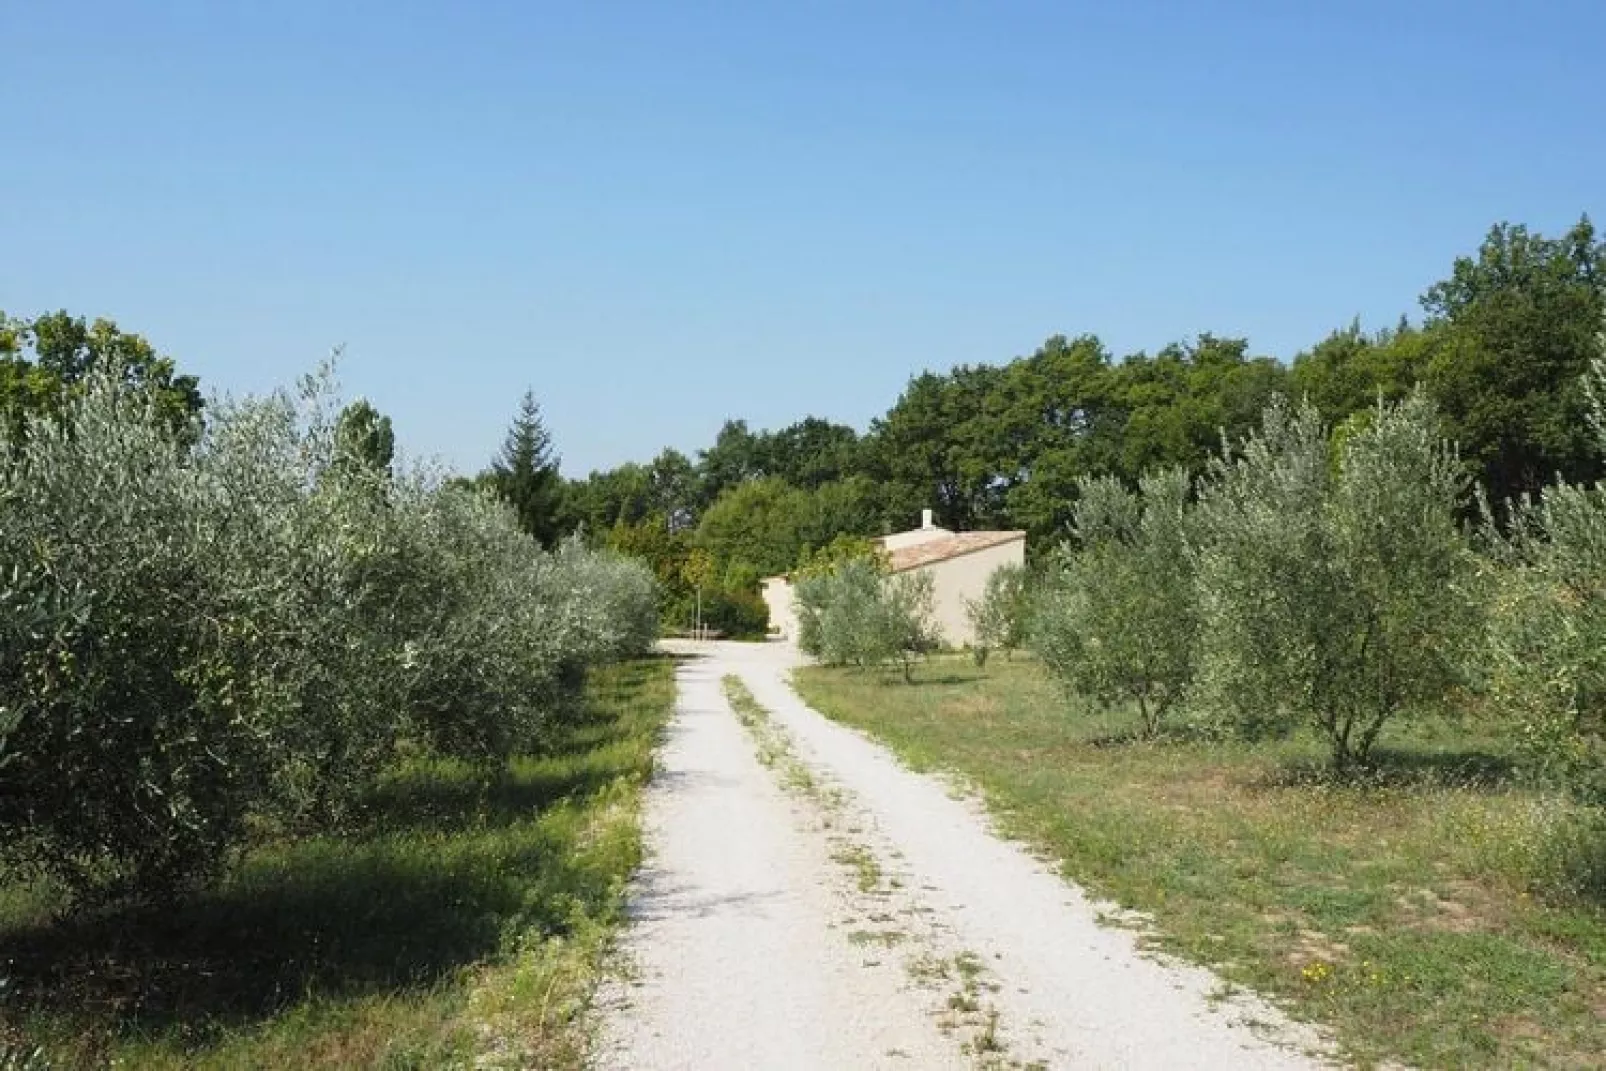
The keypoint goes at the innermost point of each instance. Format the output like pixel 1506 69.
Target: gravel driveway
pixel 809 902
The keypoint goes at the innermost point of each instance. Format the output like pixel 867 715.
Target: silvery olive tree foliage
pixel 1548 623
pixel 810 592
pixel 812 588
pixel 836 610
pixel 616 595
pixel 856 613
pixel 320 578
pixel 1117 619
pixel 905 631
pixel 999 617
pixel 248 620
pixel 1334 590
pixel 131 755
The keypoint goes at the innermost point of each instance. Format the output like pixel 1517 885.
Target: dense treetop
pixel 1500 350
pixel 45 360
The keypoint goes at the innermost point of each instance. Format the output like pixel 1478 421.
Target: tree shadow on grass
pixel 435 872
pixel 945 680
pixel 591 753
pixel 1135 736
pixel 401 910
pixel 893 678
pixel 447 797
pixel 1473 769
pixel 332 927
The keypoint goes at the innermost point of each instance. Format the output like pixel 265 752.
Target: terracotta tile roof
pixel 940 550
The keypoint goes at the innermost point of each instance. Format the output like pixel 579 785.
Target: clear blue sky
pixel 659 215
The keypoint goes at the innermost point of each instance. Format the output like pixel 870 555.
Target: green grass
pixel 1437 915
pixel 462 921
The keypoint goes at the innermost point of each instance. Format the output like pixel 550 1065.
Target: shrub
pixel 733 613
pixel 1118 621
pixel 738 614
pixel 1335 593
pixel 998 618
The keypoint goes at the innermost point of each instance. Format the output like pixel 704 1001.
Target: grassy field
pixel 462 924
pixel 1417 915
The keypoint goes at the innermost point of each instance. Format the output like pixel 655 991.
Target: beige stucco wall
pixel 783 613
pixel 955 580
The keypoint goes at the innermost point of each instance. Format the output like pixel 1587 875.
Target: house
pixel 959 564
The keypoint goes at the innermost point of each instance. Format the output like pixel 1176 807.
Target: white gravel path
pixel 739 958
pixel 743 921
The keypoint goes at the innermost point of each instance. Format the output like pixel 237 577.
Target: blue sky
pixel 660 215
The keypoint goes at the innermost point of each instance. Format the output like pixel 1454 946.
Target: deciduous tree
pixel 44 360
pixel 1514 331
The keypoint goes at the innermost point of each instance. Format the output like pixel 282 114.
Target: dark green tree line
pixel 1499 352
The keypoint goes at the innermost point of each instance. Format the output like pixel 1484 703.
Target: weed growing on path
pixel 960 976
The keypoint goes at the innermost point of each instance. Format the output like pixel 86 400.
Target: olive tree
pixel 622 596
pixel 316 565
pixel 487 667
pixel 1548 623
pixel 495 658
pixel 998 618
pixel 815 579
pixel 129 756
pixel 1335 584
pixel 1117 620
pixel 858 614
pixel 198 630
pixel 905 632
pixel 837 612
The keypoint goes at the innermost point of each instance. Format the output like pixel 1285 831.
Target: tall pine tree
pixel 525 473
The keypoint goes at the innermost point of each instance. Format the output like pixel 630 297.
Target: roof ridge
pixel 953 545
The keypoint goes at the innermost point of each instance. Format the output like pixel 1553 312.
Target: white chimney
pixel 925 519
